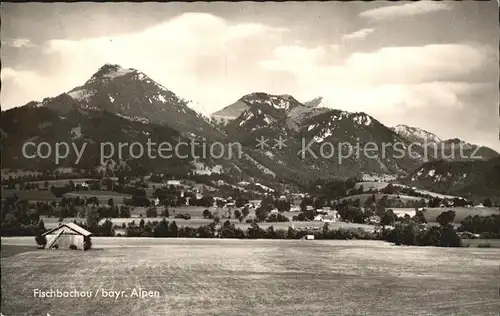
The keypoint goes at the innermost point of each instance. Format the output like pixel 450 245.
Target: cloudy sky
pixel 432 65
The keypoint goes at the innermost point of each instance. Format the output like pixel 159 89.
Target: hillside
pixel 414 134
pixel 249 101
pixel 465 178
pixel 431 146
pixel 78 128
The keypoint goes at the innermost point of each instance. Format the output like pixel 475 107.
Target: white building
pixel 173 182
pixel 318 218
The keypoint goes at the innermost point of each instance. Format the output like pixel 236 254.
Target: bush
pixel 346 233
pixel 151 212
pixel 41 240
pixel 73 247
pixel 207 214
pixel 87 243
pixel 183 216
pixel 277 218
pixel 411 234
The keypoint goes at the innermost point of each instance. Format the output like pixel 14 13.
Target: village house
pixel 67 235
pixel 318 218
pixel 173 182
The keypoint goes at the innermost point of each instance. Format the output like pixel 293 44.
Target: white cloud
pixel 293 57
pixel 388 65
pixel 389 79
pixel 405 10
pixel 193 54
pixel 417 64
pixel 21 86
pixel 360 34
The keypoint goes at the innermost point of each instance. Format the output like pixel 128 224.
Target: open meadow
pixel 53 222
pixel 375 185
pixel 102 196
pixel 197 218
pixel 251 277
pixel 431 213
pixel 363 197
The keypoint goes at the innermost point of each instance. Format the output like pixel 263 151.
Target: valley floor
pixel 252 277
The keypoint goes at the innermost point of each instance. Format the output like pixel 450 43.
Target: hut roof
pixel 71 226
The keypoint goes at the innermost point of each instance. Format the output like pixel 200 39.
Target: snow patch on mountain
pixel 318 102
pixel 362 119
pixel 415 134
pixel 246 117
pixel 161 98
pixel 265 188
pixel 81 94
pixel 134 119
pixel 279 102
pixel 268 120
pixel 118 73
pixel 320 138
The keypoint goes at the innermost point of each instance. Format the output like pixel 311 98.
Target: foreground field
pixel 253 277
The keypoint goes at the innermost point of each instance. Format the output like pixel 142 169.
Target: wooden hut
pixel 66 235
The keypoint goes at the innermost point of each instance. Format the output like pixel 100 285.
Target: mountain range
pixel 118 104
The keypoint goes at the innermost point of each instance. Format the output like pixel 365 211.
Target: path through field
pixel 253 277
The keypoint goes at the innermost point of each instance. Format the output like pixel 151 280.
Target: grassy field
pixel 102 196
pixel 52 222
pixel 45 196
pixel 461 212
pixel 362 197
pixel 196 222
pixel 63 182
pixel 197 219
pixel 371 185
pixel 494 243
pixel 254 277
pixel 375 185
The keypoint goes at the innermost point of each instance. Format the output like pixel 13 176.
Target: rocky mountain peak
pixel 318 102
pixel 415 134
pixel 280 102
